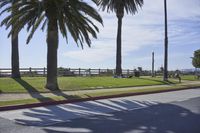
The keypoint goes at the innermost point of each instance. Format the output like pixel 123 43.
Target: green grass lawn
pixel 189 77
pixel 36 84
pixel 92 94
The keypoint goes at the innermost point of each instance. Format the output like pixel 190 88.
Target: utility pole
pixel 165 72
pixel 152 71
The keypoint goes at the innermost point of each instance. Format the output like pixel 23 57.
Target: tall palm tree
pixel 14 52
pixel 165 72
pixel 67 16
pixel 119 6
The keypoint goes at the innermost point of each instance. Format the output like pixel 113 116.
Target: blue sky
pixel 142 33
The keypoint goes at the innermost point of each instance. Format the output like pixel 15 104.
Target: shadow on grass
pixel 160 81
pixel 26 85
pixel 36 94
pixel 64 95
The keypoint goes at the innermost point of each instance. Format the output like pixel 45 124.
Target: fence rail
pixel 36 72
pixel 4 72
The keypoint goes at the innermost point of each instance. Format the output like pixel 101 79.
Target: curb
pixel 33 105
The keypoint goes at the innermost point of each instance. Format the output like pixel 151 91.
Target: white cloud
pixel 97 53
pixel 141 30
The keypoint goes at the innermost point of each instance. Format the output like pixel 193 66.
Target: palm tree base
pixel 165 79
pixel 118 76
pixel 51 86
pixel 16 76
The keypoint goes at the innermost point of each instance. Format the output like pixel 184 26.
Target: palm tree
pixel 119 6
pixel 165 72
pixel 67 16
pixel 14 53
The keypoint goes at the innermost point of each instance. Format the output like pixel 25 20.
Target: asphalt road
pixel 171 112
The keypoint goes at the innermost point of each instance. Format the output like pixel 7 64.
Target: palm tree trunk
pixel 165 72
pixel 15 57
pixel 119 48
pixel 15 54
pixel 52 46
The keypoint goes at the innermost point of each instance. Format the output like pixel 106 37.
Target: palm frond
pixel 73 16
pixel 130 6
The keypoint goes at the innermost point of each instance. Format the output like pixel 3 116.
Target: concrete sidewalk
pixel 17 96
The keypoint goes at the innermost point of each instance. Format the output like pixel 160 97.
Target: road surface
pixel 171 112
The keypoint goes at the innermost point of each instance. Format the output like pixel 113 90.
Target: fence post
pixel 69 72
pixel 99 71
pixel 128 72
pixel 89 70
pixel 79 71
pixel 30 71
pixel 44 71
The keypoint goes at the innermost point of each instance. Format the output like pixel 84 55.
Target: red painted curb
pixel 16 107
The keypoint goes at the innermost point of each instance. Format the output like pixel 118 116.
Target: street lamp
pixel 165 72
pixel 152 71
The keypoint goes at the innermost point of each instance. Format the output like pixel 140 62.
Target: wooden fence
pixel 4 72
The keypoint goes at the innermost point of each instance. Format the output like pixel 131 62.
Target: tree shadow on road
pixel 115 116
pixel 160 118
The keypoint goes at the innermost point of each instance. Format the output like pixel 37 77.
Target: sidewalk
pixel 13 96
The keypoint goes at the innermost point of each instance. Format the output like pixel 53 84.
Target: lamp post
pixel 152 71
pixel 165 72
